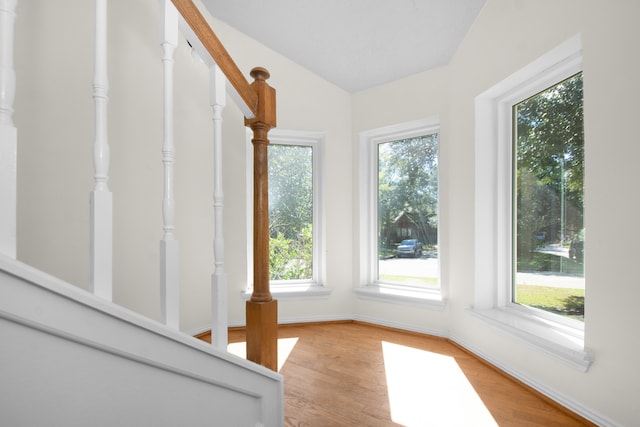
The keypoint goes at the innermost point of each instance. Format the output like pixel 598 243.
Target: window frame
pixel 556 335
pixel 294 289
pixel 369 287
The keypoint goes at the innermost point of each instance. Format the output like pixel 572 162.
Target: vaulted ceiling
pixel 355 44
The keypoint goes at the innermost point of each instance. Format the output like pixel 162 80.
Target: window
pixel 295 219
pixel 548 177
pixel 290 212
pixel 528 204
pixel 399 259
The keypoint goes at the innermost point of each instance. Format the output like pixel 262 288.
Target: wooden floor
pixel 356 374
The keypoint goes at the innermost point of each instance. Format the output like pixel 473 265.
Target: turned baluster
pixel 8 132
pixel 219 335
pixel 169 248
pixel 101 215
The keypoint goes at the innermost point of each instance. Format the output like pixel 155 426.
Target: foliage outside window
pixel 548 197
pixel 296 238
pixel 290 212
pixel 407 204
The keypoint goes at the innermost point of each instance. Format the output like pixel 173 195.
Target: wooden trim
pixel 221 57
pixel 204 336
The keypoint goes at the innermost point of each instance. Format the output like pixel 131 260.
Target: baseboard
pixel 400 326
pixel 315 319
pixel 281 321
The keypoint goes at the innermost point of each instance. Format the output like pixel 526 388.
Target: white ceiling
pixel 355 44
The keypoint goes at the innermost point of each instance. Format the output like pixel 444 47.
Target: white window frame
pixel 555 335
pixel 293 289
pixel 369 287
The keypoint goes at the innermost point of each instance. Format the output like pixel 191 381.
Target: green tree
pixel 550 164
pixel 290 211
pixel 408 183
pixel 291 259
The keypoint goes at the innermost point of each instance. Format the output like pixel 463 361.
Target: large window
pixel 399 257
pixel 296 264
pixel 529 220
pixel 548 171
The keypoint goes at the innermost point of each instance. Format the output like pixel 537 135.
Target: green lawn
pixel 563 301
pixel 566 302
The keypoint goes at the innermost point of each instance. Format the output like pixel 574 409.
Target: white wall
pixel 507 36
pixel 54 116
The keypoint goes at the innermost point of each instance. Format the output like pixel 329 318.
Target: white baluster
pixel 219 334
pixel 8 132
pixel 101 220
pixel 169 263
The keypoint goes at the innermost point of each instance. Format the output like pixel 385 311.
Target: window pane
pixel 290 212
pixel 549 228
pixel 408 211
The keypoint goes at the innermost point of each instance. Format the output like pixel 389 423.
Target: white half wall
pixel 115 367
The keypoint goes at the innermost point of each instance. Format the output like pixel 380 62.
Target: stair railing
pixel 217 100
pixel 257 102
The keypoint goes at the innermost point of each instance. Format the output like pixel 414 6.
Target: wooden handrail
pixel 214 47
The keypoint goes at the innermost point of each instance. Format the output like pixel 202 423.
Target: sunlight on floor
pixel 430 389
pixel 285 347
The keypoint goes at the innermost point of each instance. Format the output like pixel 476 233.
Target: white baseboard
pixel 281 321
pixel 403 326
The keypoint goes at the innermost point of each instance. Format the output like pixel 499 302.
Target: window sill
pixel 424 298
pixel 560 341
pixel 294 292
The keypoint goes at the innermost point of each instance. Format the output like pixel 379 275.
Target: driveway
pixel 550 279
pixel 428 267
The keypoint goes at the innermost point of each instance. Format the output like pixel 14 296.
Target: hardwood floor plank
pixel 337 375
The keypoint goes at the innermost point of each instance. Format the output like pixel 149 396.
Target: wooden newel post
pixel 262 309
